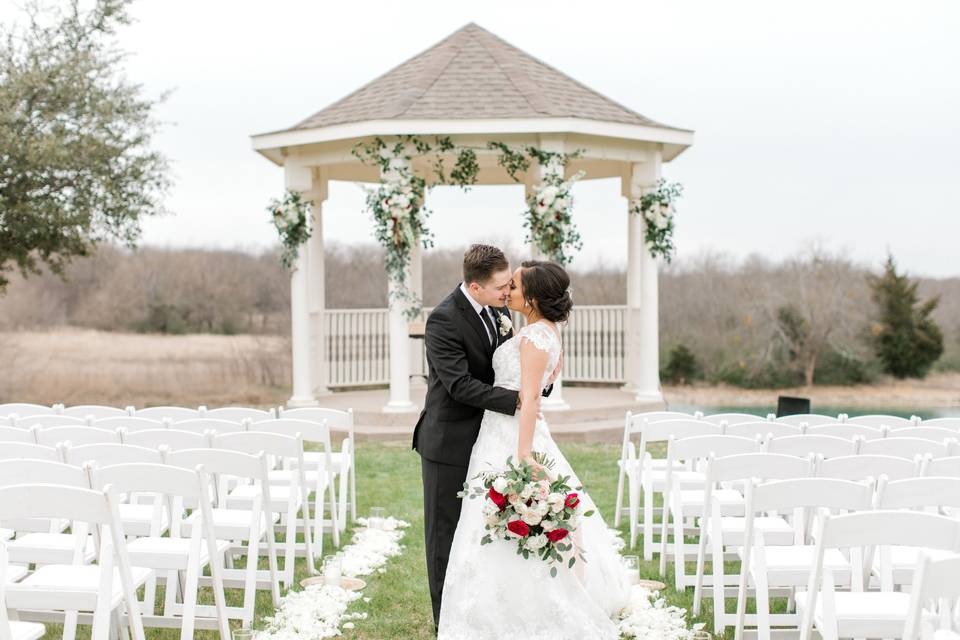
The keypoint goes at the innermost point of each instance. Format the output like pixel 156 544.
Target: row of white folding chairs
pixel 640 473
pixel 717 507
pixel 340 464
pixel 344 461
pixel 881 533
pixel 688 486
pixel 283 498
pixel 96 412
pixel 103 584
pixel 320 484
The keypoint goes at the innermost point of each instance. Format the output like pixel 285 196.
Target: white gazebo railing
pixel 358 350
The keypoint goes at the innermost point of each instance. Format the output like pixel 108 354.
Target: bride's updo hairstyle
pixel 546 286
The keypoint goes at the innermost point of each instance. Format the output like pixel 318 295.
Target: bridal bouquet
pixel 536 513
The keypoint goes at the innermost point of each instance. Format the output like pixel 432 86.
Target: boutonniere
pixel 506 325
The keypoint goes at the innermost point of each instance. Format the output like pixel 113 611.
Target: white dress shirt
pixel 479 308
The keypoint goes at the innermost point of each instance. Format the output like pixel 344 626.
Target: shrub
pixel 682 366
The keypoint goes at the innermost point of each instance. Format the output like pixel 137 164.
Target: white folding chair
pixel 49 420
pixel 867 465
pixel 946 423
pixel 105 590
pixel 905 447
pixel 25 409
pixel 285 499
pixel 129 423
pixel 41 540
pixel 93 411
pixel 924 432
pixel 802 446
pixel 171 413
pixel 633 426
pixel 857 613
pixel 172 439
pixel 320 478
pixel 204 424
pixel 848 431
pixel 137 513
pixel 808 419
pixel 895 564
pixel 770 569
pixel 15 450
pixel 764 429
pixel 240 414
pixel 76 435
pixel 879 420
pixel 682 503
pixel 934 580
pixel 726 532
pixel 182 558
pixel 947 467
pixel 13 629
pixel 736 418
pixel 13 434
pixel 647 475
pixel 344 461
pixel 239 526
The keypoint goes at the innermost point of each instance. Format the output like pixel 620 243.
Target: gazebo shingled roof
pixel 473 73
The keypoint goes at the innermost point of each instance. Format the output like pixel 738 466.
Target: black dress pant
pixel 441 512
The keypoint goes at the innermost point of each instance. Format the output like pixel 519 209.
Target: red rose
pixel 557 534
pixel 498 498
pixel 519 527
pixel 572 501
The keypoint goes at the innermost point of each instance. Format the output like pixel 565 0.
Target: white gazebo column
pixel 555 401
pixel 316 277
pixel 300 178
pixel 642 331
pixel 399 351
pixel 417 372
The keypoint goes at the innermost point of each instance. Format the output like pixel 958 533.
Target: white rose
pixel 398 212
pixel 541 209
pixel 573 522
pixel 398 164
pixel 548 525
pixel 548 194
pixel 492 518
pixel 561 203
pixel 531 517
pixel 386 152
pixel 542 508
pixel 536 542
pixel 514 499
pixel 527 492
pixel 500 484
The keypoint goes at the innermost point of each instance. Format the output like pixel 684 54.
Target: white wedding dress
pixel 490 592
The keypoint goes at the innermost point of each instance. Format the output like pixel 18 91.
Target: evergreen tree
pixel 905 338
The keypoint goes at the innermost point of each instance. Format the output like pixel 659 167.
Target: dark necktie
pixel 487 320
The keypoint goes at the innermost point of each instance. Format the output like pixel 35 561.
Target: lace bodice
pixel 506 360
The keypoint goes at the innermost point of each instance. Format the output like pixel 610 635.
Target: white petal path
pixel 319 610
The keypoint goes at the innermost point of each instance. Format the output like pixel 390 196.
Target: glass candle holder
pixel 377 514
pixel 332 570
pixel 631 569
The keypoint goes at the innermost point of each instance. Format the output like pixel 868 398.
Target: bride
pixel 490 592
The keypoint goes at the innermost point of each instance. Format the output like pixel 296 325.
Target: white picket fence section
pixel 358 350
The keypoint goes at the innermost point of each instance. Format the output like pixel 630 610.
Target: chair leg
pixel 353 486
pixel 619 507
pixel 188 619
pixel 648 525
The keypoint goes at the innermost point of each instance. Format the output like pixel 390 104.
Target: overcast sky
pixel 835 121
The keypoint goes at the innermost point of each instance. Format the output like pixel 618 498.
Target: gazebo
pixel 474 88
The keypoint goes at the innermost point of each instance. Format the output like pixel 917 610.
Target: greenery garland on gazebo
pixel 400 216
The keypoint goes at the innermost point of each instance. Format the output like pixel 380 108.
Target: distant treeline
pixel 748 322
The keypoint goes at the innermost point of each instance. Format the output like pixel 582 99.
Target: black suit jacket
pixel 459 387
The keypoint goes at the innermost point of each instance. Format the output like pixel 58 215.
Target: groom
pixel 462 333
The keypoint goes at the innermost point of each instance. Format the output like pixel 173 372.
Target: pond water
pixel 926 414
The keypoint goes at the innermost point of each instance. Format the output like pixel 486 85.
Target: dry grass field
pixel 80 366
pixel 76 366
